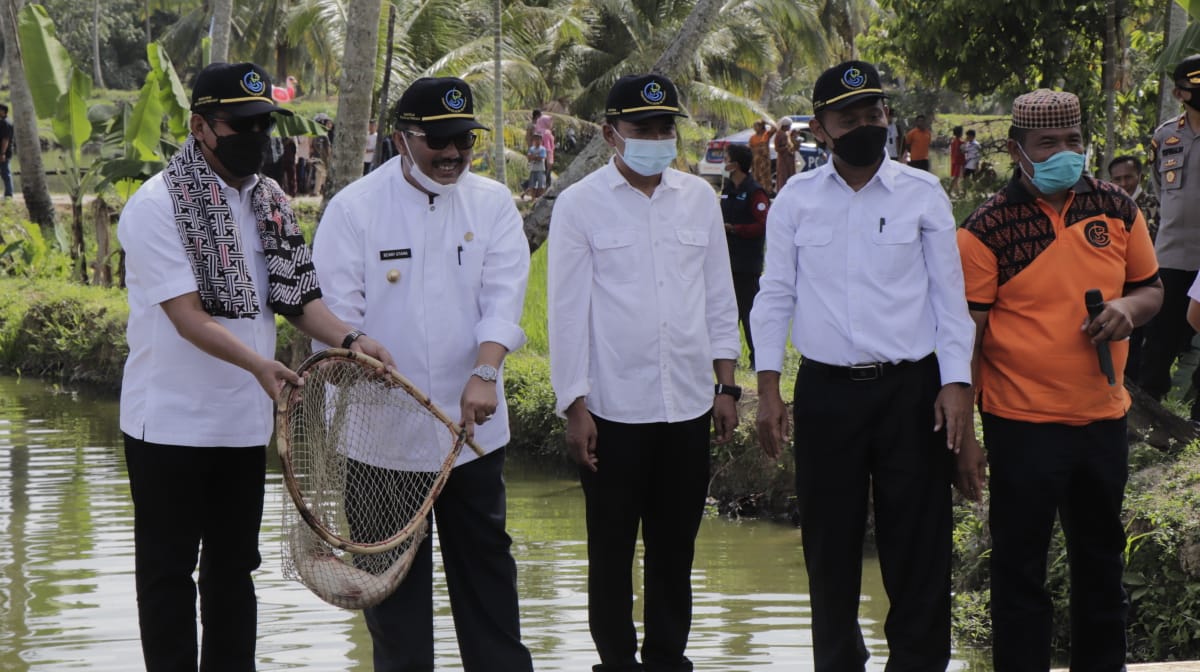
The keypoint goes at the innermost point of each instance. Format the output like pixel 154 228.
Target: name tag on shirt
pixel 405 253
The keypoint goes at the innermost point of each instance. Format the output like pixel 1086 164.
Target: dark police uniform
pixel 744 206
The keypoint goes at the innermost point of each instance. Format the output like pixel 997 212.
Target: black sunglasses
pixel 461 141
pixel 262 123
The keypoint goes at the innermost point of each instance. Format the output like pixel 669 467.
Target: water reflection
pixel 66 566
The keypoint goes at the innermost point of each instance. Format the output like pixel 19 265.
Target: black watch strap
pixel 351 338
pixel 732 390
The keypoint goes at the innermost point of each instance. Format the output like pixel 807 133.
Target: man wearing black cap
pixel 642 314
pixel 862 263
pixel 199 240
pixel 1175 163
pixel 433 260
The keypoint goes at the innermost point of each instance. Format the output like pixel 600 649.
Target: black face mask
pixel 1194 101
pixel 242 154
pixel 862 146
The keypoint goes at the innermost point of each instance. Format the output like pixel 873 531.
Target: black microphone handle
pixel 1094 302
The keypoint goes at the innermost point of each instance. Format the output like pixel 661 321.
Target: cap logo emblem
pixel 454 100
pixel 252 83
pixel 854 78
pixel 653 93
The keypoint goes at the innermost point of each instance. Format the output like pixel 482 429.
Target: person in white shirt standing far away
pixel 432 260
pixel 862 262
pixel 642 313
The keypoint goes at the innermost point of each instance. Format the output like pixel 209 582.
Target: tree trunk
pixel 354 96
pixel 148 40
pixel 222 21
pixel 97 74
pixel 25 128
pixel 1177 20
pixel 78 255
pixel 1109 77
pixel 381 112
pixel 671 64
pixel 102 218
pixel 498 157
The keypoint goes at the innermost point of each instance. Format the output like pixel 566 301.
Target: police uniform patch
pixel 1170 177
pixel 1170 163
pixel 1173 140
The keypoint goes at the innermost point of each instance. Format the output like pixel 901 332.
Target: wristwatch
pixel 732 390
pixel 485 372
pixel 351 338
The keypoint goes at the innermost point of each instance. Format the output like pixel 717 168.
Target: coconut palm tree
pixel 355 91
pixel 25 125
pixel 222 19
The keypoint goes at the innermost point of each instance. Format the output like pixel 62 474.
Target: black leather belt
pixel 861 373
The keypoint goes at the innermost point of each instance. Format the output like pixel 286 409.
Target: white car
pixel 808 156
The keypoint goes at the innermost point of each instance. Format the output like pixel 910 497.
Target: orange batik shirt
pixel 1029 267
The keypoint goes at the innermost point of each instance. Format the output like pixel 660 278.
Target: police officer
pixel 744 206
pixel 1175 163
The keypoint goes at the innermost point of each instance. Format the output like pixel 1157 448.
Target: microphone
pixel 1095 305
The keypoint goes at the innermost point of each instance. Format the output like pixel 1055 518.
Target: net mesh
pixel 364 457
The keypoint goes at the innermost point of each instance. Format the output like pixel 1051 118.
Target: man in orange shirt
pixel 918 140
pixel 1053 425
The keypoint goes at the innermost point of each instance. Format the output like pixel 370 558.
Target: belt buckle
pixel 861 373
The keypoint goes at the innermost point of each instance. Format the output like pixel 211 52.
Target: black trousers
pixel 1080 473
pixel 189 501
pixel 923 164
pixel 1168 335
pixel 855 439
pixel 481 577
pixel 654 475
pixel 745 288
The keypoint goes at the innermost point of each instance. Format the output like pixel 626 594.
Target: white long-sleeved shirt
pixel 431 280
pixel 640 297
pixel 866 276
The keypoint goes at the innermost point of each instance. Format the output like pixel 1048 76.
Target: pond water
pixel 66 566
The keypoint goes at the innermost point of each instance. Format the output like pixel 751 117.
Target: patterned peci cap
pixel 1046 109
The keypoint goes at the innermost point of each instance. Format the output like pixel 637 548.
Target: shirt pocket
pixel 693 245
pixel 1170 171
pixel 615 255
pixel 895 247
pixel 813 256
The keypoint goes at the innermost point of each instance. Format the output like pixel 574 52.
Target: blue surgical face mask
pixel 647 157
pixel 1057 173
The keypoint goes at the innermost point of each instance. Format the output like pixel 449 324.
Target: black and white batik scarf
pixel 211 239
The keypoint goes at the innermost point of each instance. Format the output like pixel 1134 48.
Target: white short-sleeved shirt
pixel 431 279
pixel 172 392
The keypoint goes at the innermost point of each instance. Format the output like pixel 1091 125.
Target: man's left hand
pixel 373 348
pixel 725 417
pixel 952 410
pixel 1114 323
pixel 479 401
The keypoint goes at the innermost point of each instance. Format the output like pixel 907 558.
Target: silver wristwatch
pixel 485 372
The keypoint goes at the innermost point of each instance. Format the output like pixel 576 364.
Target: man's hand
pixel 581 435
pixel 971 469
pixel 772 421
pixel 728 227
pixel 1114 323
pixel 478 403
pixel 725 417
pixel 373 348
pixel 952 410
pixel 272 374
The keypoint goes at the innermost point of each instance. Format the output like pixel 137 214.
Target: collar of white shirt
pixel 671 178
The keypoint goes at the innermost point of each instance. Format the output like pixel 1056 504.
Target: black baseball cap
pixel 846 84
pixel 238 89
pixel 1188 70
pixel 441 106
pixel 635 97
